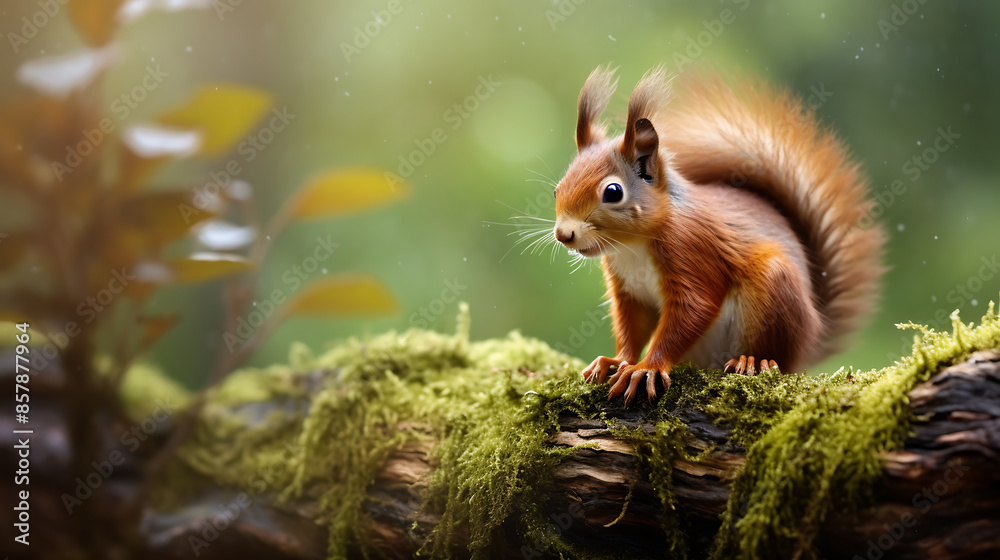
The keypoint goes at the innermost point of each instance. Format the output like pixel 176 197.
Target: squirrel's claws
pixel 598 370
pixel 745 365
pixel 626 380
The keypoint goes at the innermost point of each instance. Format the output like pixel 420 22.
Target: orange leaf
pixel 223 114
pixel 346 190
pixel 154 328
pixel 96 20
pixel 352 294
pixel 136 170
pixel 201 267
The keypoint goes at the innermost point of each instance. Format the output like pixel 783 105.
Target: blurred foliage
pixel 96 233
pixel 473 105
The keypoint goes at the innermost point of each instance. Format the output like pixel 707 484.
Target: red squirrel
pixel 727 223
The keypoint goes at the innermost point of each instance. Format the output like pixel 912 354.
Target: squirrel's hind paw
pixel 745 365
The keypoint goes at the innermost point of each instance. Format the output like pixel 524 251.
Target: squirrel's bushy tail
pixel 767 142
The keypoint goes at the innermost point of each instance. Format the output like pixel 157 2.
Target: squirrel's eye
pixel 613 193
pixel 554 193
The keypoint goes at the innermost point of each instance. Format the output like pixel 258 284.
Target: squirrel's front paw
pixel 627 379
pixel 598 369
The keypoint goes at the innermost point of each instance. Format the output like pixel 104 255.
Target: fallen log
pixel 938 498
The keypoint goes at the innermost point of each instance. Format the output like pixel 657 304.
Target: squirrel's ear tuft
pixel 594 97
pixel 648 98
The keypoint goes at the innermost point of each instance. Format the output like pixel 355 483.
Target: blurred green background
pixel 887 76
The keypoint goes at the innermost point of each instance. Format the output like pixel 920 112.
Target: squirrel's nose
pixel 563 237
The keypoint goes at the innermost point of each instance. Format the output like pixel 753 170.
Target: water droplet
pixel 974 302
pixel 822 15
pixel 900 227
pixel 933 299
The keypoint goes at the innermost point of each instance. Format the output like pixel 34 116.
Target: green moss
pixel 823 454
pixel 144 389
pixel 323 427
pixel 344 412
pixel 657 452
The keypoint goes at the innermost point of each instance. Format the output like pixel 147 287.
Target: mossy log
pixel 938 498
pixel 274 450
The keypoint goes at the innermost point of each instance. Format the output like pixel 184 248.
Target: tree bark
pixel 939 497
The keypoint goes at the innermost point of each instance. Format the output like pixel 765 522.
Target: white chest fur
pixel 634 265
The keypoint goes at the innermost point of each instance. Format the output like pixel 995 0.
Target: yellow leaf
pixel 158 216
pixel 346 190
pixel 96 20
pixel 349 294
pixel 201 267
pixel 223 114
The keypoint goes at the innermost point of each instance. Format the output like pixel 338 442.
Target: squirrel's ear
pixel 645 144
pixel 647 99
pixel 594 97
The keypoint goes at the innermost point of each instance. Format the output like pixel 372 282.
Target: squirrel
pixel 727 223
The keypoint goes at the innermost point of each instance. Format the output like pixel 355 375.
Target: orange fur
pixel 726 223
